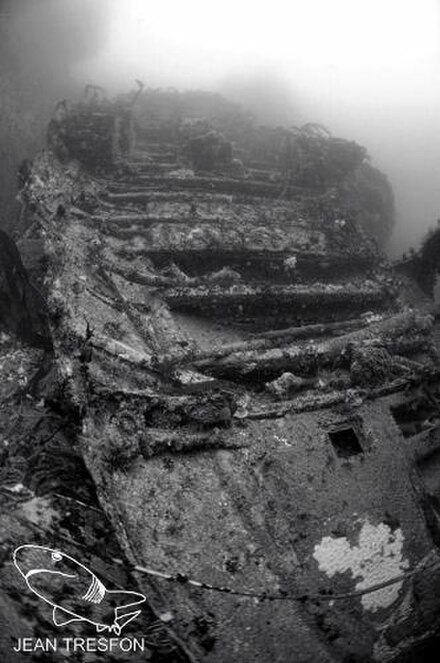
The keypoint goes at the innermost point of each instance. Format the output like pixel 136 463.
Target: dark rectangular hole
pixel 414 416
pixel 345 442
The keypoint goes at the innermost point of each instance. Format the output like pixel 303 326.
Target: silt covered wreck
pixel 216 357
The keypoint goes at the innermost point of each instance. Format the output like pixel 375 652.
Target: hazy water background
pixel 368 70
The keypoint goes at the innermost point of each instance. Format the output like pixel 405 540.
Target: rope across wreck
pixel 282 596
pixel 183 579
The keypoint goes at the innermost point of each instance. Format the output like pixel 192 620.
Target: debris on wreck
pixel 222 355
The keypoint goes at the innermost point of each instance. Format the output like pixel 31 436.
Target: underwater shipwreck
pixel 217 391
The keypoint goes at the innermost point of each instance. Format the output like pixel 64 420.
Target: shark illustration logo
pixel 75 593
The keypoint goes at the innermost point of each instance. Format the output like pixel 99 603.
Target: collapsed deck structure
pixel 251 389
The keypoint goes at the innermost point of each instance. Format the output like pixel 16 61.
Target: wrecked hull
pixel 231 365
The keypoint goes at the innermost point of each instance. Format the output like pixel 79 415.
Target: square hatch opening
pixel 345 442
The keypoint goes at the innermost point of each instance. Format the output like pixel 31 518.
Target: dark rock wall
pixel 22 307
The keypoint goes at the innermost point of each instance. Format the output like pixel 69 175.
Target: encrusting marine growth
pixel 222 361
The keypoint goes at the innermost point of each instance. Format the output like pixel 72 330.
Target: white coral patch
pixel 290 262
pixel 377 558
